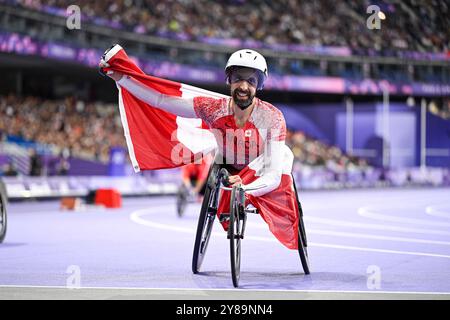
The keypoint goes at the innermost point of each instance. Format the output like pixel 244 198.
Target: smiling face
pixel 244 82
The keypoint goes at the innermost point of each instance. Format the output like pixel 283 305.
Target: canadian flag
pixel 157 139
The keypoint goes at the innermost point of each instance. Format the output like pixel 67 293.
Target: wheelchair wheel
pixel 182 196
pixel 302 248
pixel 235 229
pixel 302 242
pixel 3 216
pixel 205 222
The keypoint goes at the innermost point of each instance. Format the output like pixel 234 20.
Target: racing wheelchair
pixel 3 217
pixel 217 179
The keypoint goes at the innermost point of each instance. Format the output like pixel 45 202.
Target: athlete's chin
pixel 243 104
pixel 243 101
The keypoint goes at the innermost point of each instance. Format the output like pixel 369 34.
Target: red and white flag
pixel 157 139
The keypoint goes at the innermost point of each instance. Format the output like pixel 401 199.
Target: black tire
pixel 3 215
pixel 234 233
pixel 205 222
pixel 302 241
pixel 204 228
pixel 302 248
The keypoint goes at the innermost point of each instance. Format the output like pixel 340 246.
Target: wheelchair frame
pixel 3 214
pixel 236 229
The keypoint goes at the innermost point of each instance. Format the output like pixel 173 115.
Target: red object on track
pixel 110 198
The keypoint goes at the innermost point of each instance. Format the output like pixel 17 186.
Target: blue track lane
pixel 364 240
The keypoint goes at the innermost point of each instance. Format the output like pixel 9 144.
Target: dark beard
pixel 242 104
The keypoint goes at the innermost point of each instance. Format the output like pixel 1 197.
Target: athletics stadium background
pixel 364 88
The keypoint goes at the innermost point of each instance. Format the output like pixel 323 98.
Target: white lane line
pixel 438 212
pixel 359 225
pixel 368 212
pixel 254 225
pixel 199 290
pixel 340 223
pixel 375 237
pixel 412 253
pixel 136 217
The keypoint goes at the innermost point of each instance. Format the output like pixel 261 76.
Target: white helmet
pixel 250 59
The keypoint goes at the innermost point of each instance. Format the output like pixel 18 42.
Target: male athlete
pixel 255 126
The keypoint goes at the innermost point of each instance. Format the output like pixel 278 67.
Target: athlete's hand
pixel 235 181
pixel 116 76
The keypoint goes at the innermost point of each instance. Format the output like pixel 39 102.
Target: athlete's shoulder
pixel 273 118
pixel 208 108
pixel 268 107
pixel 204 100
pixel 269 111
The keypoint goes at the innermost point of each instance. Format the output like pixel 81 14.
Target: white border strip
pixel 228 289
pixel 126 129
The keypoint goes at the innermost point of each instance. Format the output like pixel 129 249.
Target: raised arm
pixel 183 107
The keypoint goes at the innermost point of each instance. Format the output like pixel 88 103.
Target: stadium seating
pixel 274 22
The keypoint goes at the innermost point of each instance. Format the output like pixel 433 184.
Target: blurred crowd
pixel 314 153
pixel 410 25
pixel 440 110
pixel 89 130
pixel 71 126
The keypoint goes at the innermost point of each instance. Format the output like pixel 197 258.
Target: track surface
pixel 375 244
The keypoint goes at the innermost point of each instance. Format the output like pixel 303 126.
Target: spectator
pixel 63 166
pixel 10 170
pixel 85 130
pixel 35 164
pixel 410 25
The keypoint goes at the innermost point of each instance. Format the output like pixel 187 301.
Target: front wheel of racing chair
pixel 302 242
pixel 182 200
pixel 236 231
pixel 3 215
pixel 206 219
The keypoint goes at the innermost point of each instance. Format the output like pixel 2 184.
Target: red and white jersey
pixel 160 120
pixel 262 135
pixel 241 145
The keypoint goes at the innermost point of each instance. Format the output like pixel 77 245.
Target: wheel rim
pixel 237 245
pixel 2 218
pixel 206 221
pixel 235 241
pixel 303 252
pixel 1 212
pixel 238 259
pixel 206 234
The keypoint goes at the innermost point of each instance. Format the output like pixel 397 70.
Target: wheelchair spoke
pixel 235 233
pixel 204 228
pixel 206 234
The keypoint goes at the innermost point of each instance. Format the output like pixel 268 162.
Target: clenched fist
pixel 116 76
